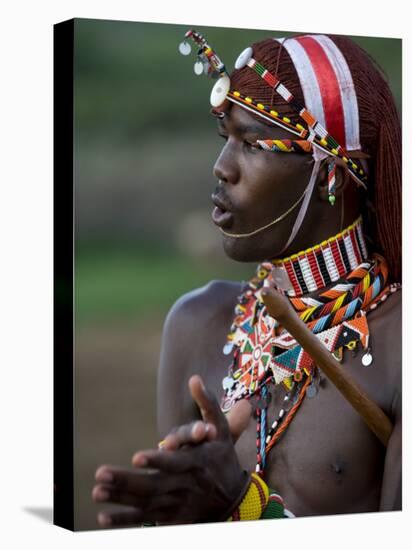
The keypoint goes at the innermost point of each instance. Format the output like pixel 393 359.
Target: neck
pixel 322 265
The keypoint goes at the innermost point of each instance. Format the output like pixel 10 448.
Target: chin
pixel 244 250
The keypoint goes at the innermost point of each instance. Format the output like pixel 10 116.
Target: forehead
pixel 241 121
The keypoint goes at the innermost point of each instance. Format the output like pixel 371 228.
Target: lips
pixel 221 215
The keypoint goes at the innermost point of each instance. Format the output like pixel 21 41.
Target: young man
pixel 308 185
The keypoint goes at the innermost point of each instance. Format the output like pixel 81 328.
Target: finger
pixel 109 494
pixel 172 431
pixel 208 405
pixel 100 494
pixel 176 462
pixel 135 516
pixel 117 519
pixel 276 303
pixel 167 512
pixel 170 445
pixel 137 500
pixel 189 434
pixel 238 418
pixel 143 482
pixel 104 473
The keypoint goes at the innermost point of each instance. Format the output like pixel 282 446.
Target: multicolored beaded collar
pixel 323 264
pixel 264 352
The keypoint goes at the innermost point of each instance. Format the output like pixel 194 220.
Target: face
pixel 255 186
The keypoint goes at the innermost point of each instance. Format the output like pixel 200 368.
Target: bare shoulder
pixel 204 301
pixel 193 334
pixel 207 308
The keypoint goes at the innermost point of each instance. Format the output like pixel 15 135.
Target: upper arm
pixel 174 403
pixel 185 350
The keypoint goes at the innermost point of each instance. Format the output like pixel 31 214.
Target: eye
pixel 250 146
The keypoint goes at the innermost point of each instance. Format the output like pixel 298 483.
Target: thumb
pixel 208 405
pixel 238 418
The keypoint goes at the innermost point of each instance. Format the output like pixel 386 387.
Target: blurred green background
pixel 145 145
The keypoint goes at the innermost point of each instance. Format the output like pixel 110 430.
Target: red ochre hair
pixel 380 135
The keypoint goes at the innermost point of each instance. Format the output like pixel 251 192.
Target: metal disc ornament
pixel 227 348
pixel 243 58
pixel 367 359
pixel 185 48
pixel 198 68
pixel 311 391
pixel 219 91
pixel 228 383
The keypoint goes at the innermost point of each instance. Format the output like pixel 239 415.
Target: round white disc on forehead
pixel 243 58
pixel 219 91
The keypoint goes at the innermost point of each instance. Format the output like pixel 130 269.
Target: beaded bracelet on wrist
pixel 259 502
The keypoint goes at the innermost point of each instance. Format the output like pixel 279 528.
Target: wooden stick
pixel 280 308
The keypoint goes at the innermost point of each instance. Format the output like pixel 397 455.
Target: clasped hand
pixel 194 477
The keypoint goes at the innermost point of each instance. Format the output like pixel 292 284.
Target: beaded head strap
pixel 326 81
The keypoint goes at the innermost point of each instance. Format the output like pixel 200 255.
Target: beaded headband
pixel 327 86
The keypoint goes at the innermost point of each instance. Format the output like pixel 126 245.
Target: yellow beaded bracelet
pixel 254 502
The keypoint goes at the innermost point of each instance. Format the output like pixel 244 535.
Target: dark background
pixel 144 151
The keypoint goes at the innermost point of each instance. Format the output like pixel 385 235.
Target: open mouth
pixel 221 217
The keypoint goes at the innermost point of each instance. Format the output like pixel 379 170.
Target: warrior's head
pixel 312 140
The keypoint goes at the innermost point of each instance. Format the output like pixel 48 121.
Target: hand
pixel 205 430
pixel 196 477
pixel 277 305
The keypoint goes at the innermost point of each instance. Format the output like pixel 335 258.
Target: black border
pixel 63 384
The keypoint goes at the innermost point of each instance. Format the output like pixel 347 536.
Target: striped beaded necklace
pixel 323 264
pixel 264 354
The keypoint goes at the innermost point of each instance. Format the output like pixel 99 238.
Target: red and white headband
pixel 327 86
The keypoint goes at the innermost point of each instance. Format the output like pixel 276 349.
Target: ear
pixel 342 180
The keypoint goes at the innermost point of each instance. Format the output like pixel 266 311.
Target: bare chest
pixel 326 461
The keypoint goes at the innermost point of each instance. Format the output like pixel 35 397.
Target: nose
pixel 226 168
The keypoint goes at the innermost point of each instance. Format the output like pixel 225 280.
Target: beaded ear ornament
pixel 313 133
